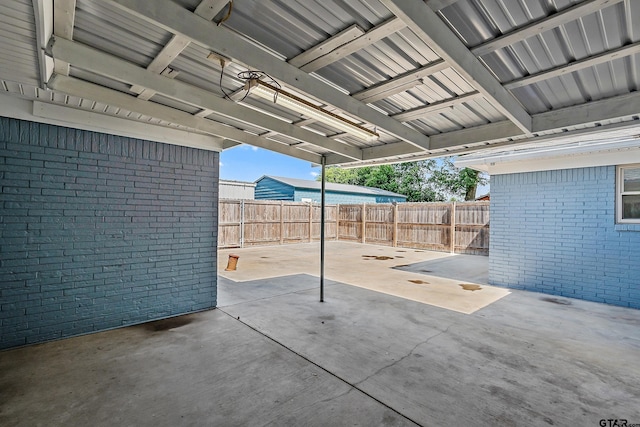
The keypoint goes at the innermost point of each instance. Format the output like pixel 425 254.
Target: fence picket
pixel 433 226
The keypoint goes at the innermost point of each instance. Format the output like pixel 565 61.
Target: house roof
pixel 330 186
pixel 432 78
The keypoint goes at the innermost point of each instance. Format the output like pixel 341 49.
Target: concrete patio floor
pixel 434 278
pixel 271 354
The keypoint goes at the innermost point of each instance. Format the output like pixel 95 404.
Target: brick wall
pixel 555 232
pixel 100 231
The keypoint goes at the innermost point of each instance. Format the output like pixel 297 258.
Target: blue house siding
pixel 334 197
pixel 270 189
pixel 555 232
pixel 100 231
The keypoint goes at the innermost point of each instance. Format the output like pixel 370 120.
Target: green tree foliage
pixel 341 176
pixel 421 181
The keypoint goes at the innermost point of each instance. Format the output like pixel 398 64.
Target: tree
pixel 421 181
pixel 340 175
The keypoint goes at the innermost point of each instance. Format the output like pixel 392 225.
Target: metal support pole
pixel 322 219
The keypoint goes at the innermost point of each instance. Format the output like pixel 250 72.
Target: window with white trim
pixel 628 194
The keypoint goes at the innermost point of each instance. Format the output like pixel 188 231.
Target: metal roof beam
pixel 329 45
pixel 64 15
pixel 207 9
pixel 428 26
pixel 410 79
pixel 619 107
pixel 613 108
pixel 75 87
pixel 581 64
pixel 174 18
pixel 90 59
pixel 624 128
pixel 166 56
pixel 399 83
pixel 435 107
pixel 43 12
pixel 437 5
pixel 375 34
pixel 534 28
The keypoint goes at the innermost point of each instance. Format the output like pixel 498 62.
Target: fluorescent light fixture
pixel 292 102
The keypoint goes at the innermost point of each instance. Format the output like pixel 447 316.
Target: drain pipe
pixel 322 207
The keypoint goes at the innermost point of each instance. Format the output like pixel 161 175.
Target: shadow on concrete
pixel 465 268
pixel 272 355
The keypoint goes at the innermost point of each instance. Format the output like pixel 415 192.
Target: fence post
pixel 453 227
pixel 337 222
pixel 242 223
pixel 363 215
pixel 281 222
pixel 311 221
pixel 395 225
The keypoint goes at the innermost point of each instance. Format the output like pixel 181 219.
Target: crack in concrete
pixel 405 356
pixel 333 374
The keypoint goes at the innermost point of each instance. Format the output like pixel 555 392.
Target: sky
pixel 247 163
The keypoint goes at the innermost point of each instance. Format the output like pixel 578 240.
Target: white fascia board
pixel 116 126
pixel 40 112
pixel 570 156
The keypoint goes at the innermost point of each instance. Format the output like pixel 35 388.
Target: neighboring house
pixel 238 190
pixel 565 220
pixel 300 190
pixel 483 198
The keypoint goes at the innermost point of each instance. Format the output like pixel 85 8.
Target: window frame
pixel 619 193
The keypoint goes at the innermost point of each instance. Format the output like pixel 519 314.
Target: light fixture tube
pixel 292 102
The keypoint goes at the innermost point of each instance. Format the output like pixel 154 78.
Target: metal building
pixel 302 190
pixel 238 190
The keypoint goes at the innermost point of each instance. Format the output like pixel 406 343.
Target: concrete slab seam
pixel 326 370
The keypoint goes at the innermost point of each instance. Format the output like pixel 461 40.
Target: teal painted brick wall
pixel 100 231
pixel 555 232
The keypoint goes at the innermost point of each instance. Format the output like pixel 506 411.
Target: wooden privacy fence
pixel 451 227
pixel 244 223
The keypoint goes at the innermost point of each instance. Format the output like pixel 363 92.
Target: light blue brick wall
pixel 555 232
pixel 99 231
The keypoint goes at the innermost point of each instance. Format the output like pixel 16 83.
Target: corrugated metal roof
pixel 611 27
pixel 286 28
pixel 331 186
pixel 18 56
